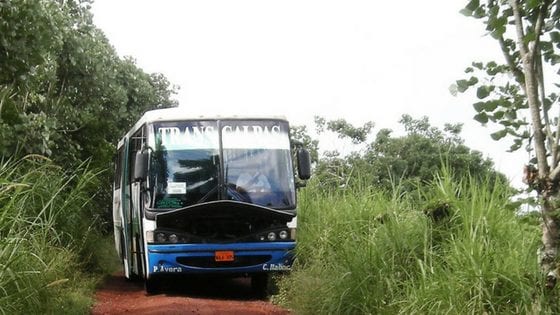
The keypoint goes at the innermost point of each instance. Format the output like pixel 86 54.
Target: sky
pixel 357 60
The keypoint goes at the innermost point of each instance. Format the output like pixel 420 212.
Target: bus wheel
pixel 259 284
pixel 151 286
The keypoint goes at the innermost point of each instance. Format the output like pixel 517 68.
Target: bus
pixel 206 195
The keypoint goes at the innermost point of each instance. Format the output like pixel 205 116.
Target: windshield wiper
pixel 208 194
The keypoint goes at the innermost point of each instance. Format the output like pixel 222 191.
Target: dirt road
pixel 187 296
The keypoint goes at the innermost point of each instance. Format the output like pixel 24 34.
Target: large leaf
pixel 462 85
pixel 470 8
pixel 498 134
pixel 484 90
pixel 481 117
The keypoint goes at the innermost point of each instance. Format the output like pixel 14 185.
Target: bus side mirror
pixel 141 166
pixel 304 164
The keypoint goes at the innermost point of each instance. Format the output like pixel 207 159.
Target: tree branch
pixel 555 174
pixel 551 140
pixel 543 12
pixel 519 29
pixel 532 93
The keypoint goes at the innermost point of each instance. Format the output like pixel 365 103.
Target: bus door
pixel 133 208
pixel 124 211
pixel 118 188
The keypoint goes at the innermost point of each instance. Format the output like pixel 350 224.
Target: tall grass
pixel 451 247
pixel 45 236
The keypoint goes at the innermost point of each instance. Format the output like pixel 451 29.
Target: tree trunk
pixel 548 254
pixel 550 237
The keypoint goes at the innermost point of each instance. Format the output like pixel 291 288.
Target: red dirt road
pixel 183 296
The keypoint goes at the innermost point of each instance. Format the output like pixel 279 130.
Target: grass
pixel 448 248
pixel 47 237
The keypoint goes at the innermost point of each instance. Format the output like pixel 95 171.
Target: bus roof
pixel 180 113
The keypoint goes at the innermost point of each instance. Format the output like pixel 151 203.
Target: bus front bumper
pixel 238 258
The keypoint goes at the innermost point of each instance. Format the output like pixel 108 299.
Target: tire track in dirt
pixel 206 296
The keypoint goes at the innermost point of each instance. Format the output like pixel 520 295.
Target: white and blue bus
pixel 206 196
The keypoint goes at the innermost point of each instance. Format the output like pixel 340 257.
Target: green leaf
pixel 479 13
pixel 499 114
pixel 529 37
pixel 498 134
pixel 498 32
pixel 532 4
pixel 554 59
pixel 466 12
pixel 462 85
pixel 473 81
pixel 470 8
pixel 453 89
pixel 479 106
pixel 511 114
pixel 472 5
pixel 516 145
pixel 491 105
pixel 484 91
pixel 481 117
pixel 555 36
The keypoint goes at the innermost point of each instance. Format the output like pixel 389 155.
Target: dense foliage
pixel 411 159
pixel 48 237
pixel 59 76
pixel 66 97
pixel 452 247
pixel 64 91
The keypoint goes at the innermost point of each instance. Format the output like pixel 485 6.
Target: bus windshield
pixel 257 163
pixel 251 159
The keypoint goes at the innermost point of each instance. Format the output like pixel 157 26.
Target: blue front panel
pixel 200 258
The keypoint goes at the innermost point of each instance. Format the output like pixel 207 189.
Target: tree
pixel 420 154
pixel 410 160
pixel 300 136
pixel 64 91
pixel 513 96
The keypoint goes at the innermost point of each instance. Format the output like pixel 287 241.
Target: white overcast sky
pixel 358 60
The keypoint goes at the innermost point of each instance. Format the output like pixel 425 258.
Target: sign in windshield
pixel 185 163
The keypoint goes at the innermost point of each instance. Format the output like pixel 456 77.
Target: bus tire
pixel 151 286
pixel 259 284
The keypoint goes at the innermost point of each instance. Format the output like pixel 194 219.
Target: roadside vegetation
pixel 50 244
pixel 65 98
pixel 448 247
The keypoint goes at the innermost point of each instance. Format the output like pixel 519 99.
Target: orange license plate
pixel 224 255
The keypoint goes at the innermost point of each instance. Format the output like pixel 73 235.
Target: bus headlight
pixel 283 235
pixel 271 236
pixel 160 238
pixel 173 238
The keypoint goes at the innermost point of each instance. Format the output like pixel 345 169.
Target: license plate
pixel 224 255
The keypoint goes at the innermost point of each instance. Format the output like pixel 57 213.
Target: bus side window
pixel 118 167
pixel 136 142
